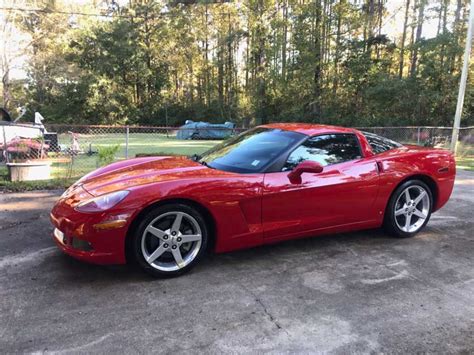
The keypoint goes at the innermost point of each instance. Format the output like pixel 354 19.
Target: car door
pixel 342 194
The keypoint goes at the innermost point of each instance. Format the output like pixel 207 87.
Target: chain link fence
pixel 426 136
pixel 438 137
pixel 74 150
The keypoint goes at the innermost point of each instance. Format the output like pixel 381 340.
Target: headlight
pixel 102 203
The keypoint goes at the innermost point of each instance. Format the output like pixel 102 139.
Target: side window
pixel 380 144
pixel 325 149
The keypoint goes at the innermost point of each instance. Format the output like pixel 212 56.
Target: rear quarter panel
pixel 399 165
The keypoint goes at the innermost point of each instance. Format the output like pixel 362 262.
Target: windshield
pixel 251 151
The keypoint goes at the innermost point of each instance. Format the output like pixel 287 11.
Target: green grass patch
pixel 465 163
pixel 20 186
pixel 465 156
pixel 3 173
pixel 139 144
pixel 66 169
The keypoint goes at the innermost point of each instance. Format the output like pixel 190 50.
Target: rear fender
pixel 436 167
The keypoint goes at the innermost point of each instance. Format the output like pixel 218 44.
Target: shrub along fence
pixel 74 150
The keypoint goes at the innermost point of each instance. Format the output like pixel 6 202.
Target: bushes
pixel 106 154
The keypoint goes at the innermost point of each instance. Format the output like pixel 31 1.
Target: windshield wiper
pixel 195 157
pixel 205 164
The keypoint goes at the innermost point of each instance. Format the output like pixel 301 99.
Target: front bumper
pixel 93 257
pixel 76 235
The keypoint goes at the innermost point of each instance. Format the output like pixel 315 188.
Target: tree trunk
pixel 229 62
pixel 456 33
pixel 207 77
pixel 404 35
pixel 440 17
pixel 380 23
pixel 148 56
pixel 444 14
pixel 285 39
pixel 220 71
pixel 6 86
pixel 369 27
pixel 316 104
pixel 247 55
pixel 337 50
pixel 191 80
pixel 260 62
pixel 462 29
pixel 419 29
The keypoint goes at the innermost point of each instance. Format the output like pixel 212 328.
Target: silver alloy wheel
pixel 171 241
pixel 412 208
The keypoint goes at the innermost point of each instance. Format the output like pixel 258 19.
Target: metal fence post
pixel 418 135
pixel 5 150
pixel 127 133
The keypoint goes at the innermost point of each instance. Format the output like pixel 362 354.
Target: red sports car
pixel 272 183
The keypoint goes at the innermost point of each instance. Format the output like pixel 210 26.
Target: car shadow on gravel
pixel 71 271
pixel 327 245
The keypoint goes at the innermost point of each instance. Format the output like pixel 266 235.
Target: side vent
pixel 380 167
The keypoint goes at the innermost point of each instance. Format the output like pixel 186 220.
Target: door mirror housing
pixel 307 166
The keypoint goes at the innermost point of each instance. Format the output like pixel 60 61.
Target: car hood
pixel 142 171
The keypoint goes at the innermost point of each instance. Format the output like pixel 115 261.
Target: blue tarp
pixel 205 130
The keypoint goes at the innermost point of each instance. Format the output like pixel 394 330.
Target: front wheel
pixel 409 209
pixel 170 240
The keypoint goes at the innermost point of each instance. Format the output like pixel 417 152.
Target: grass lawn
pixel 67 169
pixel 465 156
pixel 138 143
pixel 19 186
pixel 466 163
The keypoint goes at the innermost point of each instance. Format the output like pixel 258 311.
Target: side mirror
pixel 307 166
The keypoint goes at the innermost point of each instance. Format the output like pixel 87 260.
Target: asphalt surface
pixel 356 292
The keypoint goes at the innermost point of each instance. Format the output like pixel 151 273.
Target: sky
pixel 393 24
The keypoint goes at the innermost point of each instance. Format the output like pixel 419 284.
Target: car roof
pixel 309 128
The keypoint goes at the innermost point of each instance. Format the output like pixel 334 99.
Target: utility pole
pixel 462 83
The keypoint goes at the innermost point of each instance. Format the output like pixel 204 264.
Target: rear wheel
pixel 409 209
pixel 170 240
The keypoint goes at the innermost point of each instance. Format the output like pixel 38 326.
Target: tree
pixel 420 5
pixel 252 61
pixel 404 36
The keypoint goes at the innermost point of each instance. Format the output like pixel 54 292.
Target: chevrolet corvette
pixel 272 183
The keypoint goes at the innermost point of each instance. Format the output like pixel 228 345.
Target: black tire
pixel 390 223
pixel 145 221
